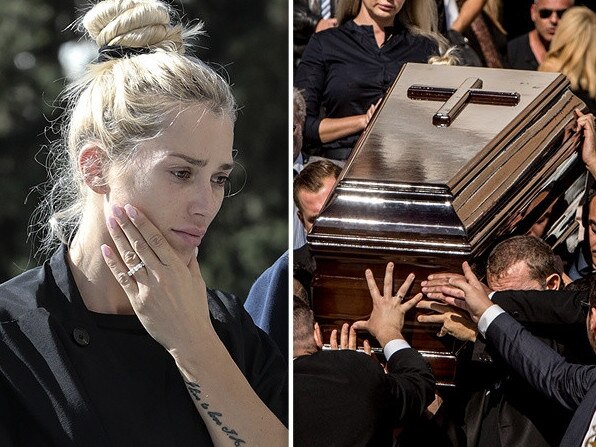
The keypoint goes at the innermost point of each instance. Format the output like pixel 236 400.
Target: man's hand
pixel 468 294
pixel 585 123
pixel 437 282
pixel 387 318
pixel 348 339
pixel 455 322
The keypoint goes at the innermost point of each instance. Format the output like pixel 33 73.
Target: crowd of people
pixel 530 376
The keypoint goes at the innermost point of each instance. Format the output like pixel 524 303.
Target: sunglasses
pixel 546 13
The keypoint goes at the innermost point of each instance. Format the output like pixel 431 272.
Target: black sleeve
pixel 310 79
pixel 411 384
pixel 549 307
pixel 542 367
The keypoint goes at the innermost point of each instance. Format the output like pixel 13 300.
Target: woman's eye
pixel 221 180
pixel 182 174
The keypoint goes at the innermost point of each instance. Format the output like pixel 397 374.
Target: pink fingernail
pixel 131 211
pixel 117 211
pixel 111 222
pixel 106 250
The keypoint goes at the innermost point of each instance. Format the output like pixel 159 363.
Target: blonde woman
pixel 345 71
pixel 116 341
pixel 573 53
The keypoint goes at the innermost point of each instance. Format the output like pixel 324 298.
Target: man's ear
pixel 318 336
pixel 553 282
pixel 92 164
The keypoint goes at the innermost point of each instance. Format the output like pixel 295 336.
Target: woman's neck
pixel 364 18
pixel 99 289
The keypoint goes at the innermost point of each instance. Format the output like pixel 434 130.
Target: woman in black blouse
pixel 345 71
pixel 116 340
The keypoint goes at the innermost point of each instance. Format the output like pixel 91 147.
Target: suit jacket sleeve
pixel 542 367
pixel 548 307
pixel 411 383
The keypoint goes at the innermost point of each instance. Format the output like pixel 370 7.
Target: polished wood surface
pixel 428 197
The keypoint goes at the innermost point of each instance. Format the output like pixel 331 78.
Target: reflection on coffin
pixel 428 193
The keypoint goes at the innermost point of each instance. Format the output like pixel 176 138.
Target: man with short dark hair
pixel 344 397
pixel 527 51
pixel 573 386
pixel 522 263
pixel 311 189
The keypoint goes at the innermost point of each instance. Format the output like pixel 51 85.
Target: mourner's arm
pixel 468 12
pixel 170 299
pixel 331 129
pixel 410 379
pixel 586 125
pixel 542 367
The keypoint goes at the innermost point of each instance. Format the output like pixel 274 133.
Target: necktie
pixel 325 9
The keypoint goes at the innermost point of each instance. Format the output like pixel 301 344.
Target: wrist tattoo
pixel 195 391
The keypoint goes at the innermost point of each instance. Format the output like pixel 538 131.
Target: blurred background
pixel 248 40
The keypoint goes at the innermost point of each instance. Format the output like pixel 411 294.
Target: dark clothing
pixel 267 303
pixel 502 409
pixel 554 316
pixel 572 386
pixel 345 398
pixel 307 14
pixel 343 72
pixel 585 97
pixel 72 377
pixel 519 54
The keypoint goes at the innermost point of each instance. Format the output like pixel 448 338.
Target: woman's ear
pixel 92 164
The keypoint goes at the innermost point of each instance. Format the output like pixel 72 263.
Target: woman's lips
pixel 191 237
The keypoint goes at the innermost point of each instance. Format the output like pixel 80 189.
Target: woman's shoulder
pixel 22 293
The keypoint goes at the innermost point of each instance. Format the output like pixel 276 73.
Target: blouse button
pixel 81 336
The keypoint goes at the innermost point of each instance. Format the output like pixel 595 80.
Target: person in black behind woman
pixel 345 71
pixel 344 397
pixel 116 340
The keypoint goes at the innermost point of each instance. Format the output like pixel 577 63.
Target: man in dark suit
pixel 573 386
pixel 344 397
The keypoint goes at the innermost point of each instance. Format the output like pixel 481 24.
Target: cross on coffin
pixel 456 99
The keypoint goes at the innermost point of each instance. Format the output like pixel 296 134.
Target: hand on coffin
pixel 468 294
pixel 348 339
pixel 585 123
pixel 455 322
pixel 438 287
pixel 387 318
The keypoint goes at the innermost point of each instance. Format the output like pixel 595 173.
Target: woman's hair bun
pixel 135 24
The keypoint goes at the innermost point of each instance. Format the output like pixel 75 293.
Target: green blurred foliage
pixel 246 40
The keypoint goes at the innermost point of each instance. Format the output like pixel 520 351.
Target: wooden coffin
pixel 440 175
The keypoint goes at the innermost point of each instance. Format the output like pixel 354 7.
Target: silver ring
pixel 136 268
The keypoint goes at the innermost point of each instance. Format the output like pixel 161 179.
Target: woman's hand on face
pixel 168 296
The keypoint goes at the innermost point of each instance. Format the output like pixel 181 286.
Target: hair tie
pixel 108 52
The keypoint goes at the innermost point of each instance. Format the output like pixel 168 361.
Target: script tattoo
pixel 195 391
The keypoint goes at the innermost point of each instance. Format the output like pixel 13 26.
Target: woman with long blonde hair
pixel 116 340
pixel 573 53
pixel 345 71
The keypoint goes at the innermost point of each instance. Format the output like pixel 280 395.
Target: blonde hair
pixel 418 16
pixel 122 101
pixel 572 50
